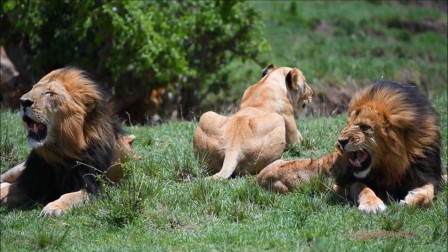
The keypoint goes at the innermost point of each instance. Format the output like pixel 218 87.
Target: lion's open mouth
pixel 361 163
pixel 36 131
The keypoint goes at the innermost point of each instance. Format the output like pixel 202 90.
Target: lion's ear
pixel 90 100
pixel 90 105
pixel 129 139
pixel 295 79
pixel 268 69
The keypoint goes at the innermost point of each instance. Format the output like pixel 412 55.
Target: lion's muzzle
pixel 25 102
pixel 343 143
pixel 361 163
pixel 36 131
pixel 360 159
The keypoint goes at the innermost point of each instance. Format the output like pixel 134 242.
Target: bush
pixel 133 47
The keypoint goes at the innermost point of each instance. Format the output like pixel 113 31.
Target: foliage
pixel 135 46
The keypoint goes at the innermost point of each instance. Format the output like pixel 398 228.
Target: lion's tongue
pixel 35 127
pixel 361 156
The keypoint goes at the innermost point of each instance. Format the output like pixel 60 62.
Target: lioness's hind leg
pixel 64 203
pixel 269 178
pixel 208 140
pixel 211 122
pixel 421 196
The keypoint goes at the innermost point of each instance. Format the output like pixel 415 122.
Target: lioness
pixel 257 134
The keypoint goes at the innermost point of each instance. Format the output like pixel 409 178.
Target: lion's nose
pixel 343 142
pixel 26 102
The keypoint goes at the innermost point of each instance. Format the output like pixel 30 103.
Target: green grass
pixel 364 42
pixel 165 203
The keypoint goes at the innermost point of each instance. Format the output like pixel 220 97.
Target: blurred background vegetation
pixel 177 59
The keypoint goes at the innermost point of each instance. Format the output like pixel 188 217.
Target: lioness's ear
pixel 268 69
pixel 294 79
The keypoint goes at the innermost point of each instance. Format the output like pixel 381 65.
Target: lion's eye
pixel 364 127
pixel 49 93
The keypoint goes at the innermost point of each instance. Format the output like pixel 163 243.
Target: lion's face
pixel 55 109
pixel 41 109
pixel 359 140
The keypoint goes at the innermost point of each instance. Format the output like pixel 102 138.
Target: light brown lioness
pixel 257 134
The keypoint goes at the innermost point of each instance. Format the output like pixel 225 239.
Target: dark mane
pixel 415 120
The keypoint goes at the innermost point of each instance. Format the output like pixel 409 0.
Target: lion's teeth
pixel 355 163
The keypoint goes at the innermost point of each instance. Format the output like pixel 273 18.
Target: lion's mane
pixel 406 143
pixel 86 132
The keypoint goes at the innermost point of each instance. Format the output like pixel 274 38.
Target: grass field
pixel 340 43
pixel 165 203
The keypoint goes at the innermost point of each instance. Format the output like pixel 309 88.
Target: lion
pixel 257 134
pixel 124 152
pixel 74 138
pixel 390 148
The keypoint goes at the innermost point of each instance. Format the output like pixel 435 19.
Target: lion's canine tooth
pixel 355 163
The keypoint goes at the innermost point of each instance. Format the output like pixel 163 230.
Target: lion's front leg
pixel 11 195
pixel 12 174
pixel 367 199
pixel 421 196
pixel 64 203
pixel 292 133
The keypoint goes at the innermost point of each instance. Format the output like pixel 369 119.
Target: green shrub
pixel 133 47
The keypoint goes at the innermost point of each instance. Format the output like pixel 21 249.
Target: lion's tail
pixel 228 166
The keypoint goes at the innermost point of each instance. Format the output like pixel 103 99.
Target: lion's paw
pixel 4 193
pixel 52 210
pixel 4 184
pixel 372 207
pixel 417 197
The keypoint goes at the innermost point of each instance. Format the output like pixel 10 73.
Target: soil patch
pixel 379 234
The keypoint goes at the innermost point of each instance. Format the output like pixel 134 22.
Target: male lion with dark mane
pixel 74 136
pixel 390 147
pixel 257 134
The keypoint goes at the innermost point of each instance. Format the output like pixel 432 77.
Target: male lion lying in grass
pixel 257 134
pixel 390 148
pixel 74 137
